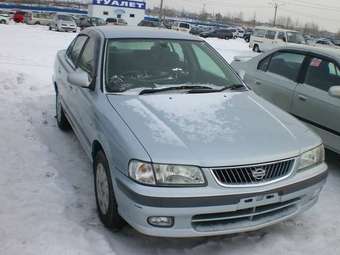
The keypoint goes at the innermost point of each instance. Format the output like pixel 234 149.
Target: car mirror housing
pixel 79 78
pixel 334 91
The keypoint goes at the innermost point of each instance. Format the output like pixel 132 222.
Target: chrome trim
pixel 292 171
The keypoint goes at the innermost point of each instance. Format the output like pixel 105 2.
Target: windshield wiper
pixel 184 87
pixel 232 87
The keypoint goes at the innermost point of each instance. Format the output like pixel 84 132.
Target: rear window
pixel 163 63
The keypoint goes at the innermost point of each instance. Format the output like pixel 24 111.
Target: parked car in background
pixel 116 21
pixel 240 32
pixel 197 30
pixel 4 18
pixel 325 43
pixel 304 81
pixel 181 26
pixel 336 42
pixel 222 33
pixel 19 17
pixel 33 18
pixel 63 23
pixel 150 23
pixel 85 22
pixel 268 38
pixel 180 147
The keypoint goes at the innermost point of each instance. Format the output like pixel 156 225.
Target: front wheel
pixel 106 202
pixel 62 121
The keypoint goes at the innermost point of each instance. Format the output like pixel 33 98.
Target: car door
pixel 313 103
pixel 270 40
pixel 275 78
pixel 84 98
pixel 70 65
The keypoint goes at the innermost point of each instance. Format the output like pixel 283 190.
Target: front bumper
pixel 217 210
pixel 67 29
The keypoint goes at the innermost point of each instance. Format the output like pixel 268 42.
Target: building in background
pixel 132 12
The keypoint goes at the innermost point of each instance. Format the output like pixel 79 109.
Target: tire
pixel 37 23
pixel 2 21
pixel 50 28
pixel 62 121
pixel 256 48
pixel 106 202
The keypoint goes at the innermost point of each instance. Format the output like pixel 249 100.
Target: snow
pixel 47 203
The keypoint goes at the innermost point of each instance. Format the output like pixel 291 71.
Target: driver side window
pixel 78 44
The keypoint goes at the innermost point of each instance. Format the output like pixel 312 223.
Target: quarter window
pixel 286 64
pixel 76 48
pixel 322 74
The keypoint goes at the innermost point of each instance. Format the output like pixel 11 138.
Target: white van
pixel 181 26
pixel 267 38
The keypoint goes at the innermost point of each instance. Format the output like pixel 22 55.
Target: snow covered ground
pixel 47 203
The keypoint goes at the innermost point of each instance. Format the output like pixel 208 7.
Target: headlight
pixel 312 157
pixel 165 175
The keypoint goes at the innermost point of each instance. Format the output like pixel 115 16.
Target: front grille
pixel 244 217
pixel 254 174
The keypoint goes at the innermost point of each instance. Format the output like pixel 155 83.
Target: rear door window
pixel 322 74
pixel 270 34
pixel 286 64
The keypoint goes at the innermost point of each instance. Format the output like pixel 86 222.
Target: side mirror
pixel 334 91
pixel 79 78
pixel 284 39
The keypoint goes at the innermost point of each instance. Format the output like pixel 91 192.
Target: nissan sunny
pixel 180 146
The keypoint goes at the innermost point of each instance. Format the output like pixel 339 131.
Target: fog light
pixel 161 221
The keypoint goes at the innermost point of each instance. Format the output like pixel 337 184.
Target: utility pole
pixel 161 11
pixel 276 5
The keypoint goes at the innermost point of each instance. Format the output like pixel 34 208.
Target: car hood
pixel 215 129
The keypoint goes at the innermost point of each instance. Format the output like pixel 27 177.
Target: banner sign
pixel 121 3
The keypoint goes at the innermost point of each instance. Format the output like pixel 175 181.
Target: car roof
pixel 116 32
pixel 275 29
pixel 328 52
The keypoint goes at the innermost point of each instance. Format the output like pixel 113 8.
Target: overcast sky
pixel 326 13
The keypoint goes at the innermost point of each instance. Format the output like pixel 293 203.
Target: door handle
pixel 258 83
pixel 302 98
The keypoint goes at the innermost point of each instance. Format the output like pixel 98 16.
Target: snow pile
pixel 47 201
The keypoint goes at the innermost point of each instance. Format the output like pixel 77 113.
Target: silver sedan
pixel 180 146
pixel 302 80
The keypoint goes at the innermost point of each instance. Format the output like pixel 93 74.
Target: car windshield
pixel 65 18
pixel 156 63
pixel 295 37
